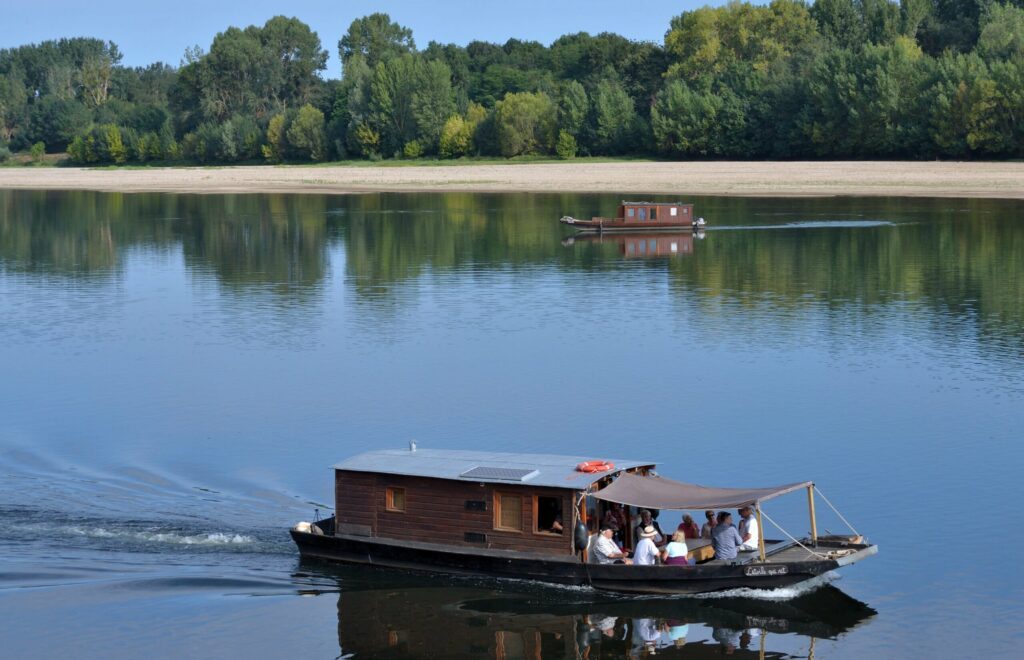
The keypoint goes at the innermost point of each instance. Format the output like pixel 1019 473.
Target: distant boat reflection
pixel 393 614
pixel 643 245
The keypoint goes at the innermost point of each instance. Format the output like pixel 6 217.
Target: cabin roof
pixel 545 470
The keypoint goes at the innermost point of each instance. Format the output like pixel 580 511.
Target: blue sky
pixel 150 31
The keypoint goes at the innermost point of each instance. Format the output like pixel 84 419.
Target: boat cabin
pixel 670 213
pixel 520 502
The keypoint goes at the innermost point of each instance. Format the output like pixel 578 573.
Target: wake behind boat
pixel 640 216
pixel 530 516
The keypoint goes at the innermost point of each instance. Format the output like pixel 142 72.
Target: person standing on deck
pixel 749 531
pixel 725 539
pixel 646 553
pixel 647 520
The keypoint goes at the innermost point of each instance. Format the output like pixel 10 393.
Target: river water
pixel 177 372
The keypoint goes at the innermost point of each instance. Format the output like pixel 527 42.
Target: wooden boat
pixel 640 216
pixel 494 514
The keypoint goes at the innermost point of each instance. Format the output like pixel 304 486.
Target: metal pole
pixel 760 532
pixel 814 520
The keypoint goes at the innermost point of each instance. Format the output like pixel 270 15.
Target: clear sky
pixel 149 31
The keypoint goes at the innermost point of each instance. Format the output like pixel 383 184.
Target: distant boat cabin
pixel 655 212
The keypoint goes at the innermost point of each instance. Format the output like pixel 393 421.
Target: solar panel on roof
pixel 498 474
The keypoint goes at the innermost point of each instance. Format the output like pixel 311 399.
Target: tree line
pixel 832 79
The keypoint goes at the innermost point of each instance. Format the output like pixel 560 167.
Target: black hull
pixel 521 566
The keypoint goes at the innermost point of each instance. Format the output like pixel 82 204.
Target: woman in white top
pixel 675 552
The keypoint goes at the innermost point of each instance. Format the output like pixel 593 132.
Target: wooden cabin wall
pixel 435 512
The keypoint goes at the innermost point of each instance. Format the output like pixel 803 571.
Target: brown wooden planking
pixel 436 511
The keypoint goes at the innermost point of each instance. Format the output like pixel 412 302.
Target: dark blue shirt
pixel 725 540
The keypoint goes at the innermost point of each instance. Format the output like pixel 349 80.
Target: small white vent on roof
pixel 499 474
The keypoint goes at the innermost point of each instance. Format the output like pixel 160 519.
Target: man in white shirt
pixel 604 550
pixel 748 529
pixel 646 553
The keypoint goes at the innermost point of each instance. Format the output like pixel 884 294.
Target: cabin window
pixel 643 214
pixel 547 515
pixel 508 512
pixel 654 214
pixel 394 499
pixel 673 211
pixel 630 211
pixel 686 210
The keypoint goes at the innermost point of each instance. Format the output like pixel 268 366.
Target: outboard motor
pixel 580 538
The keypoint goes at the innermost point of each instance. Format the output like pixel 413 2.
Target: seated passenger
pixel 705 531
pixel 646 553
pixel 556 525
pixel 604 550
pixel 724 538
pixel 689 528
pixel 748 530
pixel 674 553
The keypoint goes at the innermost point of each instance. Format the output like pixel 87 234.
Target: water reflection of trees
pixel 959 255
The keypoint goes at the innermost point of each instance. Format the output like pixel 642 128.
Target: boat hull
pixel 618 578
pixel 610 225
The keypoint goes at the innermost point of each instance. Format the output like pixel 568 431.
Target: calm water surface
pixel 178 371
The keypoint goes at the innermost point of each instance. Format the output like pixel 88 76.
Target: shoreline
pixel 990 180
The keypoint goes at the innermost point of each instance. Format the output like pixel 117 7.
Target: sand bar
pixel 917 179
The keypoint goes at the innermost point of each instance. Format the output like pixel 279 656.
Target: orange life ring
pixel 595 466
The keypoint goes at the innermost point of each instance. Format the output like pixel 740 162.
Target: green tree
pixel 1002 33
pixel 616 118
pixel 306 135
pixel 375 38
pixel 573 108
pixel 684 120
pixel 525 123
pixel 432 101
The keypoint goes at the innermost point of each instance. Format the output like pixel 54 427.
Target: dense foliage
pixel 834 79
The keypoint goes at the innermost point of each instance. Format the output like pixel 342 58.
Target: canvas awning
pixel 662 493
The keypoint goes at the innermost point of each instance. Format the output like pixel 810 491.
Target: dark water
pixel 177 372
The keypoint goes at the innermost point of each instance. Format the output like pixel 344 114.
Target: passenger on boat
pixel 616 518
pixel 689 527
pixel 709 526
pixel 674 553
pixel 748 530
pixel 725 539
pixel 605 551
pixel 646 520
pixel 556 525
pixel 646 553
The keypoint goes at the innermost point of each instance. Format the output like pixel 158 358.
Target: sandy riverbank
pixel 918 179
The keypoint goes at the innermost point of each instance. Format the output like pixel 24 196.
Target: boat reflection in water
pixel 384 613
pixel 643 245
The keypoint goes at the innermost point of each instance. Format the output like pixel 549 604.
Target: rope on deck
pixel 790 536
pixel 831 506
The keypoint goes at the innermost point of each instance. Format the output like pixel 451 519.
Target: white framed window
pixel 673 211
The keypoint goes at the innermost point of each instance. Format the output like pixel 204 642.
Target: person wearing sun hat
pixel 646 553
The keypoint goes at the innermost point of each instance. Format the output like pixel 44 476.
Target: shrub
pixel 566 145
pixel 456 137
pixel 412 149
pixel 5 153
pixel 273 150
pixel 37 151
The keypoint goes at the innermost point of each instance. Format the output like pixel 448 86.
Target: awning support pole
pixel 760 533
pixel 814 520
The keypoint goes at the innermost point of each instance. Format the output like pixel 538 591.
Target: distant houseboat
pixel 641 216
pixel 529 516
